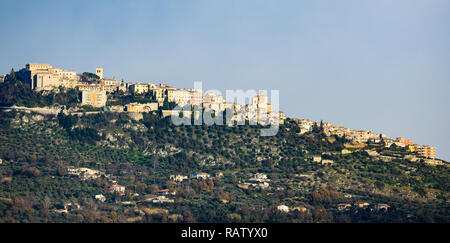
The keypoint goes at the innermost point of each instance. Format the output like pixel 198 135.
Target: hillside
pixel 39 152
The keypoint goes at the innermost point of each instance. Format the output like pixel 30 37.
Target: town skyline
pixel 187 96
pixel 192 106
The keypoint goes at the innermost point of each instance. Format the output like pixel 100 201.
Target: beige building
pixel 45 81
pixel 426 151
pixel 139 88
pixel 94 98
pixel 260 111
pixel 158 93
pixel 213 101
pixel 135 107
pixel 196 96
pixel 110 82
pixel 179 96
pixel 358 136
pixel 260 101
pixel 46 77
pixel 165 88
pixel 103 84
pixel 232 105
pixel 110 85
pixel 123 87
pixel 90 87
pixel 99 72
pixel 317 158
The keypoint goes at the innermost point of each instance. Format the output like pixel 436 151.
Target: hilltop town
pixel 95 89
pixel 84 148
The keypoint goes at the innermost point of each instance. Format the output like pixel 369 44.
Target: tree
pixel 12 75
pixel 166 104
pixel 379 185
pixel 30 171
pixel 46 203
pixel 61 170
pixel 315 128
pixel 170 185
pixel 89 76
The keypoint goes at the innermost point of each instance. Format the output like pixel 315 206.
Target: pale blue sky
pixel 378 65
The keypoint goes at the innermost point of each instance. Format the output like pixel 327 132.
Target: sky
pixel 379 65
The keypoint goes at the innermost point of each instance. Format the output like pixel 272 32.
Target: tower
pixel 99 72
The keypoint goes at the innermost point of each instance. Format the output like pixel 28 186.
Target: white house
pixel 178 178
pixel 100 197
pixel 283 208
pixel 259 176
pixel 116 188
pixel 162 199
pixel 200 175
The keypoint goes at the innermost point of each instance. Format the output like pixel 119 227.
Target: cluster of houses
pixel 319 159
pixel 95 89
pixel 257 180
pixel 195 175
pixel 162 196
pixel 86 173
pixel 423 150
pixel 90 174
pixel 341 207
pixel 360 137
pixel 359 204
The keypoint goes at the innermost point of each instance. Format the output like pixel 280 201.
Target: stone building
pixel 135 107
pixel 94 98
pixel 110 85
pixel 46 77
pixel 139 88
pixel 99 72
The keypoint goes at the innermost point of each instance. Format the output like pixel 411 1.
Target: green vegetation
pixel 36 151
pixel 141 155
pixel 16 92
pixel 86 76
pixel 121 99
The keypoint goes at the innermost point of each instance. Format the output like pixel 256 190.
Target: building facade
pixel 135 107
pixel 139 88
pixel 110 85
pixel 46 77
pixel 94 98
pixel 99 72
pixel 426 151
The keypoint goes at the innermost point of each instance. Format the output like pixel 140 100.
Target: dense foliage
pixel 37 149
pixel 19 93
